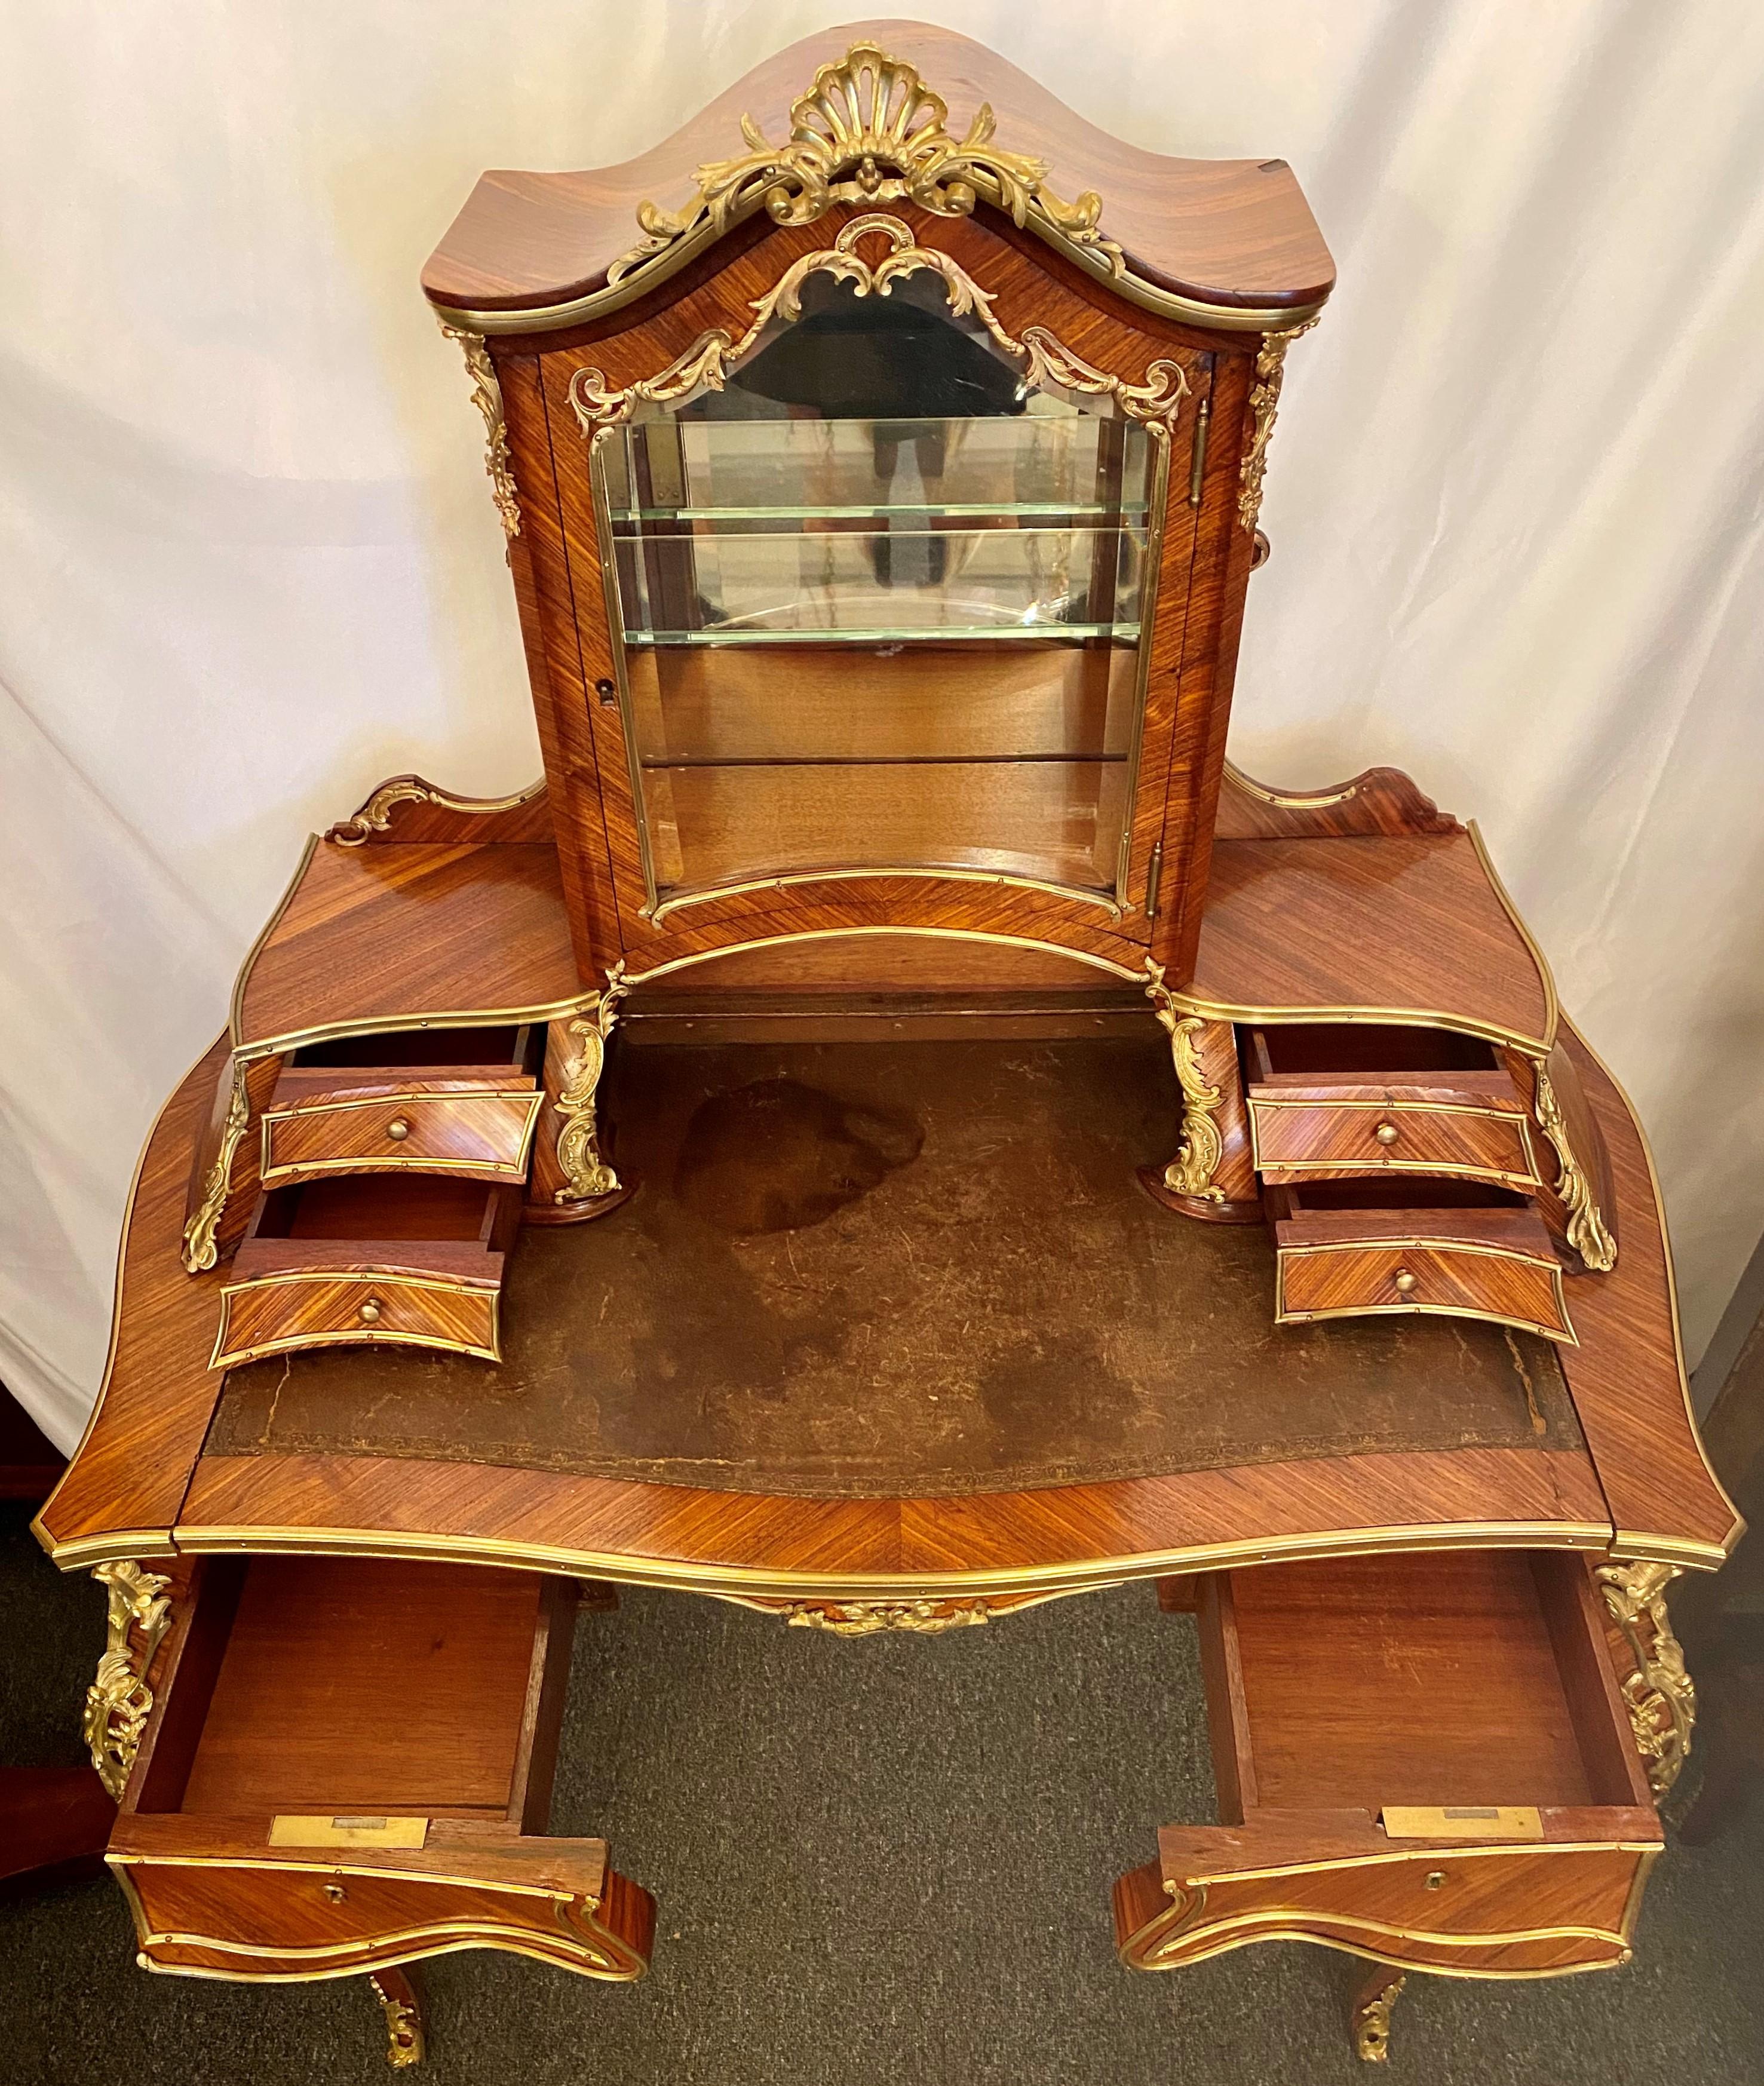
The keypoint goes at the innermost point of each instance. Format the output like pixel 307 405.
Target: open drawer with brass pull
pixel 1425 1760
pixel 1337 1102
pixel 387 1259
pixel 349 1764
pixel 1357 1249
pixel 460 1101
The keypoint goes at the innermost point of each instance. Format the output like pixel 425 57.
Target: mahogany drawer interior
pixel 1471 1678
pixel 341 1685
pixel 1348 1050
pixel 497 1054
pixel 375 1209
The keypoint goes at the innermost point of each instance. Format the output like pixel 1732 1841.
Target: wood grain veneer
pixel 1410 924
pixel 127 1486
pixel 1474 1681
pixel 1227 231
pixel 298 1687
pixel 404 934
pixel 418 1126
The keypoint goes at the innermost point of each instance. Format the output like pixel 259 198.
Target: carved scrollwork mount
pixel 1659 1695
pixel 868 131
pixel 705 366
pixel 1192 1171
pixel 586 1175
pixel 119 1701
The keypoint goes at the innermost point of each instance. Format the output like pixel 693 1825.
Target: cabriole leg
pixel 1370 2017
pixel 398 1993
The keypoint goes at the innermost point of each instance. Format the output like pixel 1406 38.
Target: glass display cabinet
pixel 881 529
pixel 879 603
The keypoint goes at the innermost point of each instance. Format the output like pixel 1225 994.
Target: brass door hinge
pixel 1197 462
pixel 1154 875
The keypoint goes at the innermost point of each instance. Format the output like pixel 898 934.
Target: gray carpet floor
pixel 875 1861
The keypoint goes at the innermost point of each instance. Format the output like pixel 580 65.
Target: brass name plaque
pixel 1462 1821
pixel 292 1830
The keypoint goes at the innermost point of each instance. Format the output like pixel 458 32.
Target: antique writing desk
pixel 892 1127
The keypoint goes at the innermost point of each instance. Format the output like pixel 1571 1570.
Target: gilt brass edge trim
pixel 834 934
pixel 1672 1549
pixel 559 1957
pixel 1562 1335
pixel 402 1278
pixel 232 1358
pixel 342 1867
pixel 709 896
pixel 1350 1170
pixel 689 1576
pixel 605 553
pixel 1132 289
pixel 1386 1017
pixel 1641 1545
pixel 1162 435
pixel 1420 1241
pixel 1515 1115
pixel 236 1004
pixel 1289 800
pixel 1419 1851
pixel 400 1024
pixel 1227 1940
pixel 1546 977
pixel 75 1553
pixel 323 1104
pixel 110 1548
pixel 1423 1937
pixel 493 1172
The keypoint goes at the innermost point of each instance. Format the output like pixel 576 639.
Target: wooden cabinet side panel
pixel 554 662
pixel 1220 574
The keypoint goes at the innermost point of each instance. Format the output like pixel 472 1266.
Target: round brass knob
pixel 397 1129
pixel 1387 1133
pixel 336 1893
pixel 369 1313
pixel 1436 1879
pixel 1405 1282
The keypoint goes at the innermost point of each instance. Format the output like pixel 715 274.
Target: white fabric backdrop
pixel 251 567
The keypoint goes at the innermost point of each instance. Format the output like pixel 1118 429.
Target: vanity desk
pixel 892 1127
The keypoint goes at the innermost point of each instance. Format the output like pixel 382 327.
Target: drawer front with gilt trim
pixel 1361 1130
pixel 478 1136
pixel 1457 1278
pixel 234 1919
pixel 276 1314
pixel 1513 1910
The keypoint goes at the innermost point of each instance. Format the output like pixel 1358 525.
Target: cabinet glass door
pixel 881 605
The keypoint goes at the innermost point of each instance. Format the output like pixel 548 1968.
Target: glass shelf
pixel 880 586
pixel 1029 464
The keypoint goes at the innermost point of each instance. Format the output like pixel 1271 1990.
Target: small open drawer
pixel 1333 1102
pixel 388 1259
pixel 1356 1248
pixel 1421 1759
pixel 348 1764
pixel 462 1101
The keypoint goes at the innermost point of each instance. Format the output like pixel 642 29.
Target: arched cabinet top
pixel 880 111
